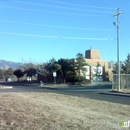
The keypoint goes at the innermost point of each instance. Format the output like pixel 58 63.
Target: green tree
pixel 30 72
pixel 67 68
pixel 126 65
pixel 124 68
pixel 115 69
pixel 29 69
pixel 8 72
pixel 41 69
pixel 52 66
pixel 19 73
pixel 2 74
pixel 80 64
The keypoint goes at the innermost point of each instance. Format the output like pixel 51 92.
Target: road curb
pixel 115 94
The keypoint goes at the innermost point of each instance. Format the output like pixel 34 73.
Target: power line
pixel 44 36
pixel 80 38
pixel 30 35
pixel 61 7
pixel 80 5
pixel 110 49
pixel 52 12
pixel 65 27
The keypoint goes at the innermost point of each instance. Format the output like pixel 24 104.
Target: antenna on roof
pixel 90 48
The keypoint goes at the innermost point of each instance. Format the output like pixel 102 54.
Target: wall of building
pixel 94 73
pixel 92 54
pixel 92 57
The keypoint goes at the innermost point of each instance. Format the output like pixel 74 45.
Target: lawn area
pixel 49 111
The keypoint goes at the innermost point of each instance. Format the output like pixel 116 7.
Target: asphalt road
pixel 98 92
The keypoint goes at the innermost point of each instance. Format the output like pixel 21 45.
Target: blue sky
pixel 40 30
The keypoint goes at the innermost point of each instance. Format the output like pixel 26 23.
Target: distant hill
pixel 9 64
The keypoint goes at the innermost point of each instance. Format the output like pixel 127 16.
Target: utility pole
pixel 118 44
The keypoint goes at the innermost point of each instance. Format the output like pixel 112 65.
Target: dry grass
pixel 47 111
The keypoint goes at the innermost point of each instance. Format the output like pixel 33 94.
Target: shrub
pixel 83 80
pixel 76 81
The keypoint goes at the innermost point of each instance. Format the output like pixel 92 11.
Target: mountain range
pixel 9 64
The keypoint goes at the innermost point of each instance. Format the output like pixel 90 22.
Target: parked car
pixel 9 80
pixel 28 79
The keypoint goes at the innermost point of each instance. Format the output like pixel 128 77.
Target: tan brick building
pixel 95 72
pixel 92 57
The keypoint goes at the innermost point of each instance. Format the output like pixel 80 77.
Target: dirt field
pixel 47 111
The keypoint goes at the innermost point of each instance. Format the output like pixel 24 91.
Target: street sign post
pixel 54 75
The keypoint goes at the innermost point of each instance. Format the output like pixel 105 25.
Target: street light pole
pixel 118 45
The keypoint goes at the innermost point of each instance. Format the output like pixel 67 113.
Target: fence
pixel 124 82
